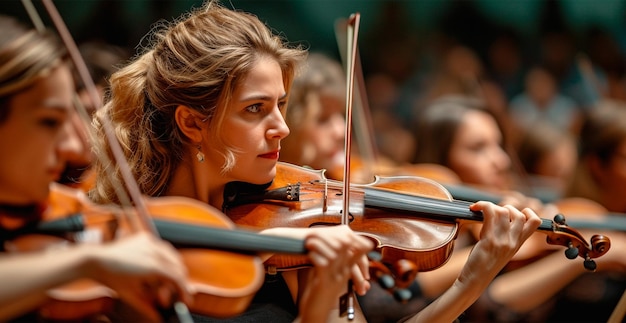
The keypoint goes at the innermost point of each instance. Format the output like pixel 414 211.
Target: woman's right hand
pixel 145 272
pixel 338 255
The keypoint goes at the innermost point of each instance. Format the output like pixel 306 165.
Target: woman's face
pixel 38 139
pixel 476 153
pixel 254 124
pixel 323 134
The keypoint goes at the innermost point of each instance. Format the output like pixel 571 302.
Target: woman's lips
pixel 271 155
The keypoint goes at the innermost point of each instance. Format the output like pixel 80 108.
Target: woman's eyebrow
pixel 262 97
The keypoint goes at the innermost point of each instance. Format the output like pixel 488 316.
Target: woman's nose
pixel 278 128
pixel 74 145
pixel 501 159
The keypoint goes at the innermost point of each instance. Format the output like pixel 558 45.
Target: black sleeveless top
pixel 272 303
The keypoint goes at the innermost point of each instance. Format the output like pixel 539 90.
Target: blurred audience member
pixel 541 101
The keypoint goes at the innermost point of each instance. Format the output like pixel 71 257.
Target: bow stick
pixel 346 302
pixel 363 126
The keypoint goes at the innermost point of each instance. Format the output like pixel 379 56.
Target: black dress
pixel 272 303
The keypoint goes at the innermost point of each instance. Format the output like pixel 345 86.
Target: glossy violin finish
pixel 408 218
pixel 223 263
pixel 582 214
pixel 82 298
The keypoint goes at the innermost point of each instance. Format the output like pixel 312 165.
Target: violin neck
pixel 194 236
pixel 468 193
pixel 430 208
pixel 237 240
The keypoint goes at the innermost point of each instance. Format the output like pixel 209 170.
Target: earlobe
pixel 189 123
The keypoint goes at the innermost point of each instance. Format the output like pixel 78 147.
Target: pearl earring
pixel 200 155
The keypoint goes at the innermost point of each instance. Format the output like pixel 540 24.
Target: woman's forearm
pixel 25 278
pixel 451 304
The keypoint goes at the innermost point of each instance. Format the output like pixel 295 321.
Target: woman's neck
pixel 193 181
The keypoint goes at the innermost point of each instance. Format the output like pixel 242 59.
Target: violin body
pixel 82 298
pixel 223 282
pixel 399 238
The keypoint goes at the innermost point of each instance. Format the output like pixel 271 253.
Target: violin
pixel 223 263
pixel 410 219
pixel 582 214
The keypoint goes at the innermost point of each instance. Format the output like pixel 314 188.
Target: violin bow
pixel 141 218
pixel 362 114
pixel 346 302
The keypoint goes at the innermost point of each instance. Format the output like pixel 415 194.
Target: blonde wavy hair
pixel 195 61
pixel 26 56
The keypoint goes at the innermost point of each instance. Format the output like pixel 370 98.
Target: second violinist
pixel 38 140
pixel 470 142
pixel 204 108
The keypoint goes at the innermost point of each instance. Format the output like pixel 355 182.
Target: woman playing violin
pixel 203 109
pixel 214 100
pixel 38 140
pixel 470 142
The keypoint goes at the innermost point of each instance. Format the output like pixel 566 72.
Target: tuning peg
pixel 386 281
pixel 590 264
pixel 571 252
pixel 374 256
pixel 402 295
pixel 560 219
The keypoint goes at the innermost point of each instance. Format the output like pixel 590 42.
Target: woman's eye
pixel 51 123
pixel 477 147
pixel 282 105
pixel 255 108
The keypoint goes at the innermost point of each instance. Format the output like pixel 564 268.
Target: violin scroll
pixel 575 243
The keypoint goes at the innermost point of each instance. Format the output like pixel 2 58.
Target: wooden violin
pixel 408 218
pixel 224 267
